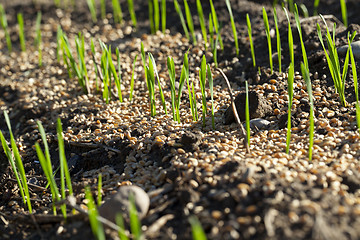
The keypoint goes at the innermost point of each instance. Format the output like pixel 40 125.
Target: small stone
pixel 119 203
pixel 355 46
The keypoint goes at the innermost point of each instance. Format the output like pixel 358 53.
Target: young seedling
pixel 99 193
pixel 354 74
pixel 196 228
pixel 228 5
pixel 96 226
pixel 189 21
pixel 247 113
pixel 211 32
pixel 304 10
pixel 95 65
pixel 132 79
pixel 135 224
pixel 156 15
pixel 21 31
pixel 4 26
pixel 278 41
pixel 211 86
pixel 306 76
pixel 106 78
pixel 216 23
pixel 303 50
pixel 334 61
pixel 344 12
pixel 37 41
pixel 202 21
pixel 118 15
pixel 16 164
pixel 103 9
pixel 153 72
pixel 92 8
pixel 163 15
pixel 290 81
pixel 151 15
pixel 267 30
pixel 316 5
pixel 132 12
pixel 290 38
pixel 251 40
pixel 80 70
pixel 120 222
pixel 64 169
pixel 202 77
pixel 112 71
pixel 46 165
pixel 291 5
pixel 179 12
pixel 176 98
pixel 192 96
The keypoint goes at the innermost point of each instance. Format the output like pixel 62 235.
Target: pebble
pixel 355 46
pixel 119 203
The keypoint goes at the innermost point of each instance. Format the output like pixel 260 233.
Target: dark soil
pixel 265 194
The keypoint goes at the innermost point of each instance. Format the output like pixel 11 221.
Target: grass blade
pixel 211 86
pixel 92 8
pixel 251 40
pixel 163 15
pixel 303 50
pixel 179 12
pixel 228 5
pixel 152 60
pixel 99 194
pixel 196 228
pixel 118 16
pixel 344 12
pixel 202 77
pixel 189 21
pixel 135 224
pixel 306 76
pixel 290 81
pixel 132 12
pixel 202 21
pixel 278 41
pixel 21 31
pixel 247 114
pixel 267 30
pixel 216 23
pixel 4 26
pixel 96 226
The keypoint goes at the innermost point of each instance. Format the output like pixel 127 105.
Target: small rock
pixel 258 124
pixel 355 48
pixel 119 203
pixel 258 107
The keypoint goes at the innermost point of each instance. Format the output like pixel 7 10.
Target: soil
pixel 185 168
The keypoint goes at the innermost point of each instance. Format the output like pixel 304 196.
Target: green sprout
pixel 306 76
pixel 290 38
pixel 278 40
pixel 176 99
pixel 132 12
pixel 344 12
pixel 290 81
pixel 37 41
pixel 211 32
pixel 304 10
pixel 16 164
pixel 92 8
pixel 189 21
pixel 153 72
pixel 202 21
pixel 64 169
pixel 46 165
pixel 21 31
pixel 267 30
pixel 228 5
pixel 211 86
pixel 4 26
pixel 179 12
pixel 202 76
pixel 117 12
pixel 80 70
pixel 247 114
pixel 215 22
pixel 132 79
pixel 120 222
pixel 334 61
pixel 99 194
pixel 135 224
pixel 95 65
pixel 196 228
pixel 316 5
pixel 354 74
pixel 103 9
pixel 303 50
pixel 163 15
pixel 250 39
pixel 96 226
